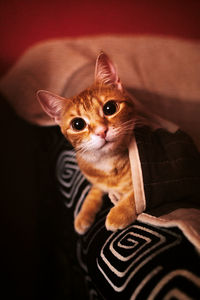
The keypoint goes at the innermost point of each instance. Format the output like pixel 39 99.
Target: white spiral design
pixel 125 253
pixel 70 179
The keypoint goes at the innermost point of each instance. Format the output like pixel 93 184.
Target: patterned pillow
pixel 139 262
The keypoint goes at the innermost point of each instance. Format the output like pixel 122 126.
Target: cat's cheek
pixel 71 140
pixel 75 139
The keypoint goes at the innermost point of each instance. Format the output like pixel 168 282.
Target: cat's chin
pixel 108 146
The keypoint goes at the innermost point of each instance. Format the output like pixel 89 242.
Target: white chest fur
pixel 100 162
pixel 105 165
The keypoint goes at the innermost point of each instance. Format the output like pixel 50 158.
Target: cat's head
pixel 98 120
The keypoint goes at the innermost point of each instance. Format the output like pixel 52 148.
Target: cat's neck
pixel 102 162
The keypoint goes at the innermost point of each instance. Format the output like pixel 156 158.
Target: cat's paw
pixel 119 218
pixel 82 223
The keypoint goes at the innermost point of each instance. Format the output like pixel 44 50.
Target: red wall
pixel 25 22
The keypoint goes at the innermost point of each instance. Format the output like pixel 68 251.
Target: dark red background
pixel 25 22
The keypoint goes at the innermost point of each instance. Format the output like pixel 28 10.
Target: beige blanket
pixel 163 72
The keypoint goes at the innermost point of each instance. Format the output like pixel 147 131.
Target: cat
pixel 99 123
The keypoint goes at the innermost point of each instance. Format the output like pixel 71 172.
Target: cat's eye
pixel 78 124
pixel 110 108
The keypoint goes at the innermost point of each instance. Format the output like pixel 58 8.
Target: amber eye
pixel 110 108
pixel 78 124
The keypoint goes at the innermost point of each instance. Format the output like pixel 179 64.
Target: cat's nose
pixel 101 131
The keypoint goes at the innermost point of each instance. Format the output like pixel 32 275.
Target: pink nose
pixel 101 131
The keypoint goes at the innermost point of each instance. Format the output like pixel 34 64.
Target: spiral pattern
pixel 132 263
pixel 72 184
pixel 125 253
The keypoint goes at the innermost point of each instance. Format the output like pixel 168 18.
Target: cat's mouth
pixel 107 144
pixel 98 143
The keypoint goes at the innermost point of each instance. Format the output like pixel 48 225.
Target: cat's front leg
pixel 89 209
pixel 122 214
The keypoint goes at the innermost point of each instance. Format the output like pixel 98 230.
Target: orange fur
pixel 117 177
pixel 101 144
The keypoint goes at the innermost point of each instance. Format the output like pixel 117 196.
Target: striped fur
pixel 106 167
pixel 102 145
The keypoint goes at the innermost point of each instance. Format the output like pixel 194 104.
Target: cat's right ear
pixel 106 72
pixel 51 103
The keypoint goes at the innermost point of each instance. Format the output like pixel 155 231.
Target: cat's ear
pixel 51 103
pixel 106 73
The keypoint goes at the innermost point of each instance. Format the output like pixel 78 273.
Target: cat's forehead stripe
pixel 96 99
pixel 88 102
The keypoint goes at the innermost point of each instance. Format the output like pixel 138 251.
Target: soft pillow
pixel 162 72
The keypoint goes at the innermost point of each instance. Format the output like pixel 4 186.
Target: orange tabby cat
pixel 99 123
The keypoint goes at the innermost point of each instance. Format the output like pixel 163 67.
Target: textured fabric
pixel 166 178
pixel 171 169
pixel 138 262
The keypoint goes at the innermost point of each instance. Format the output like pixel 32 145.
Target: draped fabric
pixel 138 262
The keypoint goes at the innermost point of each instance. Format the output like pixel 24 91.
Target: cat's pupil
pixel 78 124
pixel 110 108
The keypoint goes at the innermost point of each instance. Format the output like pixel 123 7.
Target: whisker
pixel 125 128
pixel 86 147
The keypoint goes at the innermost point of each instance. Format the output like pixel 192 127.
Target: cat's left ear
pixel 106 73
pixel 52 104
